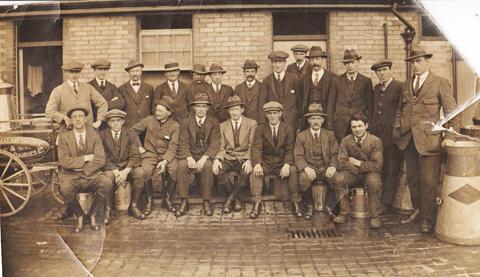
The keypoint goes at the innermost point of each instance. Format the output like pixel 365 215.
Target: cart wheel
pixel 15 184
pixel 56 186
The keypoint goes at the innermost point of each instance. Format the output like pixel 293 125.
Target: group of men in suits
pixel 302 123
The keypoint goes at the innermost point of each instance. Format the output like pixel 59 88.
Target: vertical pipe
pixel 385 40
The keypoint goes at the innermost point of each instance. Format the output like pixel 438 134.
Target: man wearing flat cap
pixel 251 92
pixel 352 93
pixel 423 95
pixel 108 90
pixel 283 87
pixel 81 157
pixel 122 160
pixel 175 89
pixel 236 138
pixel 315 154
pixel 138 94
pixel 199 144
pixel 316 85
pixel 301 66
pixel 159 151
pixel 386 95
pixel 198 85
pixel 73 93
pixel 218 93
pixel 272 154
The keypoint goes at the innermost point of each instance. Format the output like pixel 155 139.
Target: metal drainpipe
pixel 385 40
pixel 407 36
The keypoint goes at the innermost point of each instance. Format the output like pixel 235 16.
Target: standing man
pixel 272 154
pixel 315 152
pixel 198 85
pixel 283 87
pixel 360 159
pixel 175 89
pixel 122 160
pixel 301 66
pixel 317 84
pixel 251 92
pixel 73 93
pixel 199 144
pixel 81 158
pixel 386 95
pixel 236 138
pixel 419 108
pixel 218 93
pixel 352 93
pixel 159 150
pixel 138 94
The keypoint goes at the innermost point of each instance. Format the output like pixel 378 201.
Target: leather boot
pixel 133 210
pixel 65 212
pixel 297 211
pixel 80 216
pixel 309 211
pixel 228 203
pixel 108 209
pixel 207 208
pixel 256 209
pixel 149 197
pixel 344 210
pixel 167 193
pixel 97 200
pixel 183 208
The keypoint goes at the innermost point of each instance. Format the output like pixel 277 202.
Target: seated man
pixel 272 154
pixel 122 160
pixel 236 137
pixel 81 157
pixel 315 152
pixel 360 161
pixel 199 144
pixel 159 150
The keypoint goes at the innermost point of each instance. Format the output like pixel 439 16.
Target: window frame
pixel 428 38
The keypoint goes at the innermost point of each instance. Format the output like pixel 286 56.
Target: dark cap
pixel 101 64
pixel 299 48
pixel 272 106
pixel 200 98
pixel 233 101
pixel 73 66
pixel 250 64
pixel 381 63
pixel 132 64
pixel 115 113
pixel 216 68
pixel 199 68
pixel 278 56
pixel 77 108
pixel 315 109
pixel 165 101
pixel 350 55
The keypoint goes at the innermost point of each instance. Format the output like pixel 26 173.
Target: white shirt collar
pixel 387 83
pixel 276 126
pixel 315 132
pixel 302 64
pixel 174 82
pixel 423 77
pixel 362 138
pixel 214 86
pixel 72 84
pixel 198 119
pixel 77 135
pixel 99 82
pixel 282 75
pixel 119 133
pixel 251 84
pixel 239 121
pixel 136 88
pixel 320 74
pixel 355 75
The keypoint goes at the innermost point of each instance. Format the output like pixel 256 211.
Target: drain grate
pixel 312 233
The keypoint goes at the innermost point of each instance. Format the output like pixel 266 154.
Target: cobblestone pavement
pixel 34 244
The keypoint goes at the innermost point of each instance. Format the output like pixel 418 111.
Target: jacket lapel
pixel 280 134
pixel 72 143
pixel 268 134
pixel 132 93
pixel 123 142
pixel 109 141
pixel 192 125
pixel 343 82
pixel 208 127
pixel 272 84
pixel 426 86
pixel 325 145
pixel 243 131
pixel 229 134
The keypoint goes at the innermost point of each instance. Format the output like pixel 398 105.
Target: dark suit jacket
pixel 129 155
pixel 188 137
pixel 266 153
pixel 254 99
pixel 305 144
pixel 347 104
pixel 290 98
pixel 371 154
pixel 412 113
pixel 292 68
pixel 217 109
pixel 382 114
pixel 326 85
pixel 111 95
pixel 137 105
pixel 72 165
pixel 180 99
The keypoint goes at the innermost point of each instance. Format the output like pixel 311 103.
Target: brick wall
pixel 230 38
pixel 7 51
pixel 86 39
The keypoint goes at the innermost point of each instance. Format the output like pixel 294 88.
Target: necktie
pixel 217 88
pixel 317 78
pixel 75 88
pixel 299 67
pixel 81 144
pixel 274 135
pixel 102 86
pixel 316 136
pixel 359 142
pixel 416 88
pixel 200 123
pixel 249 85
pixel 278 77
pixel 174 89
pixel 236 126
pixel 116 137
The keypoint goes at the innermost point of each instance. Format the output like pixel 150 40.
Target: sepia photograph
pixel 239 138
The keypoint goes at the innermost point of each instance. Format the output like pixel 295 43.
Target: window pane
pixel 299 23
pixel 166 21
pixel 429 29
pixel 149 59
pixel 149 43
pixel 166 43
pixel 163 57
pixel 184 58
pixel 183 42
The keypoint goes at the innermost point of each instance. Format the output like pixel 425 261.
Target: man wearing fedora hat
pixel 316 85
pixel 81 157
pixel 72 93
pixel 301 66
pixel 175 89
pixel 218 93
pixel 159 151
pixel 198 146
pixel 251 92
pixel 284 88
pixel 272 154
pixel 138 94
pixel 198 85
pixel 122 160
pixel 236 138
pixel 386 95
pixel 423 95
pixel 315 153
pixel 351 93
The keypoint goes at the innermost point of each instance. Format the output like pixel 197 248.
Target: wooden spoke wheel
pixel 41 177
pixel 55 187
pixel 15 184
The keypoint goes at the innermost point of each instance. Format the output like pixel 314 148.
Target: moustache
pixel 316 64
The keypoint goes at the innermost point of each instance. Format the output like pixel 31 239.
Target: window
pixel 429 29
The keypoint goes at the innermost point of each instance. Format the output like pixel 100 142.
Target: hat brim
pixel 217 71
pixel 321 55
pixel 200 72
pixel 377 66
pixel 249 67
pixel 69 113
pixel 233 105
pixel 350 60
pixel 113 116
pixel 135 65
pixel 272 109
pixel 170 69
pixel 427 55
pixel 76 69
pixel 315 114
pixel 200 102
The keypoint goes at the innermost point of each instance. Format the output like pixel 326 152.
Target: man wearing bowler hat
pixel 284 88
pixel 199 144
pixel 316 85
pixel 159 151
pixel 175 89
pixel 251 92
pixel 218 93
pixel 138 94
pixel 301 66
pixel 122 160
pixel 423 95
pixel 73 93
pixel 236 138
pixel 272 154
pixel 198 85
pixel 315 153
pixel 386 95
pixel 352 93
